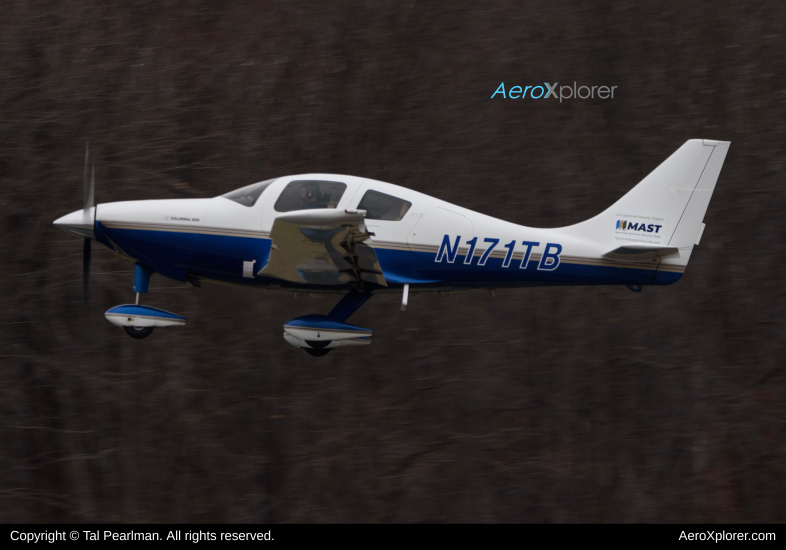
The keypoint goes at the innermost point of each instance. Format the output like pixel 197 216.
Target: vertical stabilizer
pixel 667 207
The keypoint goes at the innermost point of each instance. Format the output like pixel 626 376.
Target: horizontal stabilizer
pixel 640 252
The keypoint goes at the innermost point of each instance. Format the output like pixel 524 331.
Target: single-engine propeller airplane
pixel 356 236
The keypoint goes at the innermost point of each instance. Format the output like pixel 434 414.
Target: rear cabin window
pixel 248 195
pixel 380 206
pixel 309 194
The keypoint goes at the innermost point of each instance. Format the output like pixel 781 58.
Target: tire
pixel 317 352
pixel 139 332
pixel 318 344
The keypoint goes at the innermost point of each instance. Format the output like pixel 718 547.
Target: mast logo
pixel 625 225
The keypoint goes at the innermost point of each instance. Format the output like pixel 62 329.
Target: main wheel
pixel 138 332
pixel 317 352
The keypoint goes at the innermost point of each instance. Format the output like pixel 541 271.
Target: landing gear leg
pixel 142 276
pixel 348 305
pixel 137 320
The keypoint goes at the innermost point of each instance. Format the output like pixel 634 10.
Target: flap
pixel 324 247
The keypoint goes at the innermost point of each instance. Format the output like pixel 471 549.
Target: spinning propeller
pixel 82 223
pixel 88 215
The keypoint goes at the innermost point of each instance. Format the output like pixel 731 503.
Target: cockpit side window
pixel 380 206
pixel 308 194
pixel 248 195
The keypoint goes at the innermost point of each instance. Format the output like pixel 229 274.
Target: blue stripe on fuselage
pixel 221 257
pixel 168 253
pixel 421 266
pixel 665 278
pixel 173 254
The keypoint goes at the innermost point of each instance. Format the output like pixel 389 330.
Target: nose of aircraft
pixel 79 223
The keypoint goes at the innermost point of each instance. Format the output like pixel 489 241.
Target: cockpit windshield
pixel 308 194
pixel 248 195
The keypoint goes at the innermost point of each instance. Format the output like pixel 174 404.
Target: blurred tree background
pixel 540 405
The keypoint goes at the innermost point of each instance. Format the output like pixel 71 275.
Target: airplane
pixel 354 236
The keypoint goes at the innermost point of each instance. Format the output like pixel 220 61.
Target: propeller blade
pixel 86 270
pixel 90 190
pixel 86 195
pixel 89 202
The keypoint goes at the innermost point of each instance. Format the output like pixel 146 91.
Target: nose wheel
pixel 317 349
pixel 137 320
pixel 139 332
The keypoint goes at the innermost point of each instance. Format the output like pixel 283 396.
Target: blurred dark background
pixel 540 405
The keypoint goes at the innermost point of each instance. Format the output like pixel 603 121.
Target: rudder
pixel 690 225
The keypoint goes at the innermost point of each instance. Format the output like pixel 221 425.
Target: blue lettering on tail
pixel 509 256
pixel 485 256
pixel 446 252
pixel 544 264
pixel 528 253
pixel 472 242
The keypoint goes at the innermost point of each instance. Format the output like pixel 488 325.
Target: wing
pixel 322 247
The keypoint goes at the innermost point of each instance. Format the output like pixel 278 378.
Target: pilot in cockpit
pixel 310 196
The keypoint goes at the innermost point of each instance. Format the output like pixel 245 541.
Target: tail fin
pixel 667 207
